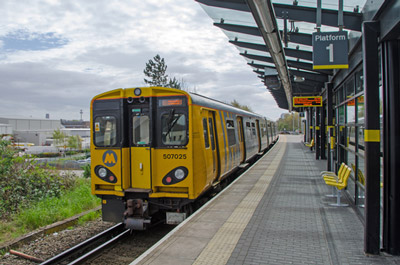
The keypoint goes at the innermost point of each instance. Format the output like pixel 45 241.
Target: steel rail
pixel 117 229
pixel 100 248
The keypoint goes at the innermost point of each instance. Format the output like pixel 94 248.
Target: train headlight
pixel 137 91
pixel 175 175
pixel 105 174
pixel 179 174
pixel 102 172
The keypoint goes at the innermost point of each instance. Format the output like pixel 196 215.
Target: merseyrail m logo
pixel 110 158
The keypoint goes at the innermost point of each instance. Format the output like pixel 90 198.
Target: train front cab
pixel 141 153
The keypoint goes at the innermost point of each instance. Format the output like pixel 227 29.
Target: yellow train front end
pixel 141 154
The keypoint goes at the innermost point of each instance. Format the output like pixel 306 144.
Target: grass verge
pixel 51 210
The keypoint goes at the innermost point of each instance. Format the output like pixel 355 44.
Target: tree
pixel 174 83
pixel 289 122
pixel 155 71
pixel 75 142
pixel 240 106
pixel 59 138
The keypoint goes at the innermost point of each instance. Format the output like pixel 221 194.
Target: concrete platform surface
pixel 276 213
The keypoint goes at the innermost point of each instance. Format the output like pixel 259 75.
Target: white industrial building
pixel 6 129
pixel 29 130
pixel 39 132
pixel 27 124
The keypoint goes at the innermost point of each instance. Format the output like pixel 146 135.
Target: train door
pixel 266 132
pixel 214 143
pixel 211 144
pixel 258 135
pixel 140 150
pixel 241 139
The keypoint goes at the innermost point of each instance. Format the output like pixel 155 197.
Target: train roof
pixel 196 99
pixel 215 104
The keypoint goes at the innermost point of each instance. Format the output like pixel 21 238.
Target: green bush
pixel 86 171
pixel 23 182
pixel 50 210
pixel 44 155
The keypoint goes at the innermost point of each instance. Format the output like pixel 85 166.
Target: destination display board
pixel 330 50
pixel 307 102
pixel 360 101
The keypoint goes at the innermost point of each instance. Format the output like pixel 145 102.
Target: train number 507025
pixel 174 156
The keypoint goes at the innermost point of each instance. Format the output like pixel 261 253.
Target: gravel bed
pixel 50 245
pixel 126 251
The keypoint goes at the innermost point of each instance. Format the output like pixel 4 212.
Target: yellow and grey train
pixel 157 151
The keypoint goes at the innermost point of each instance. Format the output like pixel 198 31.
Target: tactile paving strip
pixel 220 247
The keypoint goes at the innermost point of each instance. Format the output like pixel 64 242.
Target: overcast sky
pixel 55 56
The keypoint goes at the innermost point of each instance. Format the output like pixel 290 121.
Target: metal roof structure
pixel 275 38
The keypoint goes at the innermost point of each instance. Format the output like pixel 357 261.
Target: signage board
pixel 307 101
pixel 330 50
pixel 360 101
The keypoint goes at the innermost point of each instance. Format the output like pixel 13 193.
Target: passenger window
pixel 105 131
pixel 205 131
pixel 141 130
pixel 230 127
pixel 174 128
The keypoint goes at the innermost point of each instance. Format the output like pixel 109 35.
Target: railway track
pixel 115 245
pixel 91 247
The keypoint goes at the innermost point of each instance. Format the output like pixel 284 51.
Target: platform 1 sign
pixel 307 102
pixel 330 50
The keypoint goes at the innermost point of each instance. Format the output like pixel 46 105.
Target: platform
pixel 275 213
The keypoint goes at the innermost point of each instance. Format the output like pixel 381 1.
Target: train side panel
pixel 202 155
pixel 250 135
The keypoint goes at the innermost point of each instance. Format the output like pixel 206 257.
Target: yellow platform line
pixel 219 249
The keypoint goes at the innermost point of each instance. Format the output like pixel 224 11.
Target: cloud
pixel 77 49
pixel 41 90
pixel 25 40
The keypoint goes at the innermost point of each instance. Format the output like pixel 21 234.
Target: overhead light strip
pixel 263 13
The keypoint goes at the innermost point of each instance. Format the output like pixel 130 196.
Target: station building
pixel 356 120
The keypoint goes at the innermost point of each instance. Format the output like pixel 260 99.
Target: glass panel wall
pixel 350 137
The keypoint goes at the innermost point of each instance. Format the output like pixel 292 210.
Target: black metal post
pixel 323 132
pixel 329 114
pixel 309 124
pixel 371 137
pixel 312 126
pixel 317 127
pixel 306 125
pixel 391 154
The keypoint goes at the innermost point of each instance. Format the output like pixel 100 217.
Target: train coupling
pixel 136 217
pixel 137 223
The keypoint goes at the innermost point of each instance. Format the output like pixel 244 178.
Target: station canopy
pixel 275 38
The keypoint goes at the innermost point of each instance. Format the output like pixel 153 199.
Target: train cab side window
pixel 205 131
pixel 174 128
pixel 105 131
pixel 141 130
pixel 253 129
pixel 230 128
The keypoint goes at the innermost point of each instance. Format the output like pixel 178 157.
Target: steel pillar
pixel 391 153
pixel 371 137
pixel 317 138
pixel 323 132
pixel 329 115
